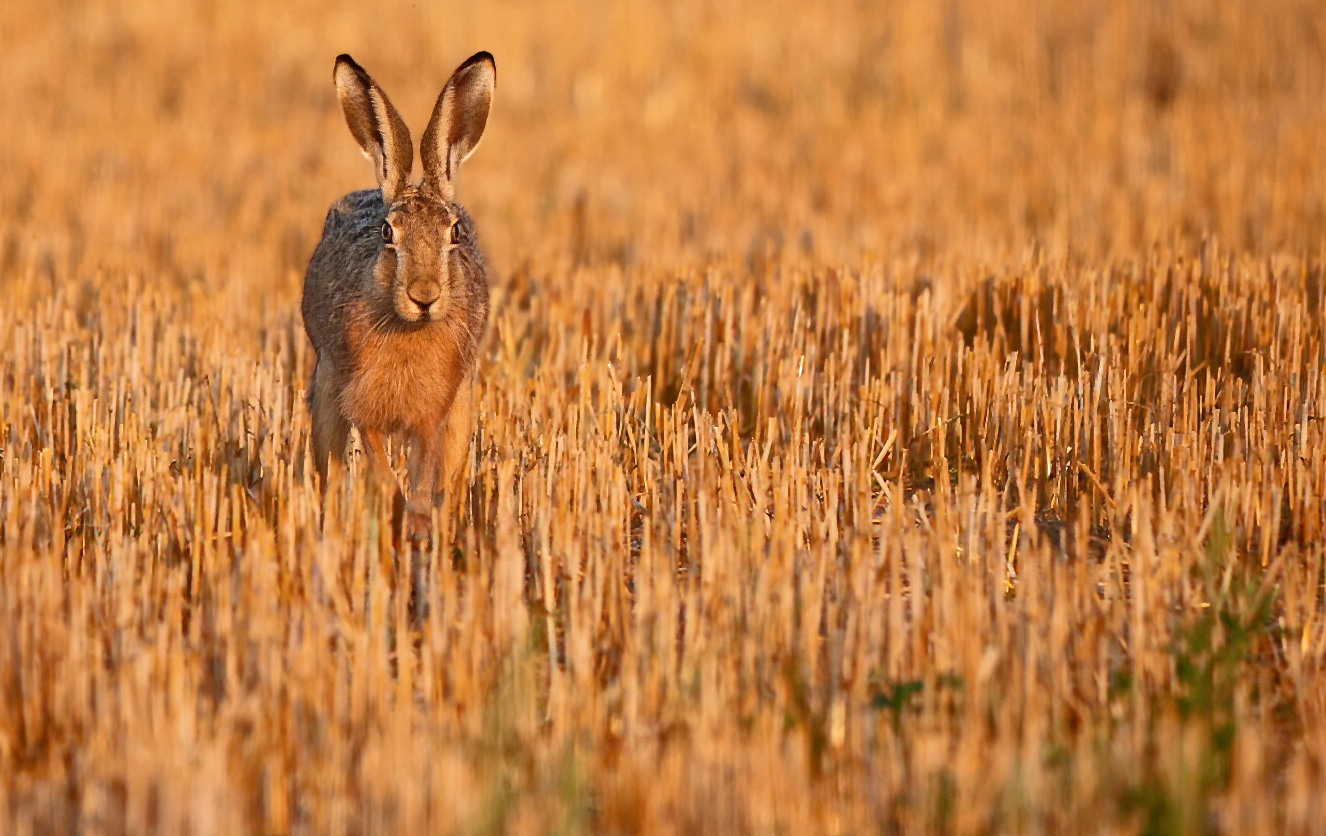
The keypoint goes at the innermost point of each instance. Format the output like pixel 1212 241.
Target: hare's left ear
pixel 457 123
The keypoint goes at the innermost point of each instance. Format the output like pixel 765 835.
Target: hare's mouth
pixel 415 314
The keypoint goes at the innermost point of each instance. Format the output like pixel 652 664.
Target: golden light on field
pixel 894 418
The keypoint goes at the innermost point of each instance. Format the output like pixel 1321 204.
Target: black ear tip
pixel 344 60
pixel 480 58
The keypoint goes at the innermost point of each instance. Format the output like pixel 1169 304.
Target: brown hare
pixel 396 295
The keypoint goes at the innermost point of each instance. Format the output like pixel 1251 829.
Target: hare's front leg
pixel 425 466
pixel 457 434
pixel 438 464
pixel 331 432
pixel 379 463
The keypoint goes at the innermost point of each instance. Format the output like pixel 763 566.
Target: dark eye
pixel 386 232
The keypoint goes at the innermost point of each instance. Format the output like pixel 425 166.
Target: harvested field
pixel 892 419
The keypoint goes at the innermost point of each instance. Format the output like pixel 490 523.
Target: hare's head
pixel 422 258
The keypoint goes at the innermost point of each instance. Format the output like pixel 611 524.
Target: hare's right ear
pixel 457 124
pixel 376 126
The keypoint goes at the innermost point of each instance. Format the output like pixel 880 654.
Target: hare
pixel 396 295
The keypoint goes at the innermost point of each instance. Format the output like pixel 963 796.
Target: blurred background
pixel 199 143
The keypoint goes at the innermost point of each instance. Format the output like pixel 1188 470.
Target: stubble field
pixel 894 418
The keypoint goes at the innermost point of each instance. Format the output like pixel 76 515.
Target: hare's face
pixel 416 265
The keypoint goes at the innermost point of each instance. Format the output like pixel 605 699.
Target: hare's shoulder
pixel 355 211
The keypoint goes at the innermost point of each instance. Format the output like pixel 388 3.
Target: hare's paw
pixel 411 526
pixel 417 529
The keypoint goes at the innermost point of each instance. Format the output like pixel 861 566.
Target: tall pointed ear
pixel 457 123
pixel 376 126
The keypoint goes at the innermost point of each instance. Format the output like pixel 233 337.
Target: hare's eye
pixel 386 232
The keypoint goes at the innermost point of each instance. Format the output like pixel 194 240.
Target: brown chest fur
pixel 401 380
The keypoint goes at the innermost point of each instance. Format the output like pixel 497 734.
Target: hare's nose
pixel 424 294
